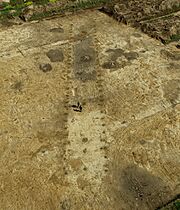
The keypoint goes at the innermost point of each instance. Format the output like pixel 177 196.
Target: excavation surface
pixel 89 113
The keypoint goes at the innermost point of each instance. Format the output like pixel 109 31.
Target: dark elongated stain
pixel 137 35
pixel 110 65
pixel 84 60
pixel 114 65
pixel 115 54
pixel 57 30
pixel 171 55
pixel 55 55
pixel 131 55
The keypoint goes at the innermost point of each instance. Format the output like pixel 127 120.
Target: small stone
pixel 178 46
pixel 45 67
pixel 84 140
pixel 84 150
pixel 85 58
pixel 123 122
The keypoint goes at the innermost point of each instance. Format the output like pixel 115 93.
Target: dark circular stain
pixel 84 150
pixel 55 55
pixel 45 67
pixel 57 30
pixel 171 55
pixel 178 46
pixel 123 122
pixel 131 55
pixel 85 140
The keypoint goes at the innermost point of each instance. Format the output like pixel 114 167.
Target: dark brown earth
pixel 159 19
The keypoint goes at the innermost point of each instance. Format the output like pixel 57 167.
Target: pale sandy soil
pixel 121 151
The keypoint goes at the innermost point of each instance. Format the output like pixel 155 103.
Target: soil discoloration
pixel 172 90
pixel 17 86
pixel 110 65
pixel 57 30
pixel 55 55
pixel 45 67
pixel 131 56
pixel 66 205
pixel 144 188
pixel 174 66
pixel 140 189
pixel 113 64
pixel 171 55
pixel 116 53
pixel 137 35
pixel 84 61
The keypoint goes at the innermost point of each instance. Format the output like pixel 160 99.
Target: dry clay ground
pixel 121 151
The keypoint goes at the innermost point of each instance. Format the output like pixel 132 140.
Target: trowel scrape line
pixel 26 50
pixel 67 73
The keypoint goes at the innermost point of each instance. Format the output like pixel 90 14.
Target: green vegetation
pixel 173 38
pixel 174 205
pixel 177 204
pixel 69 8
pixel 14 9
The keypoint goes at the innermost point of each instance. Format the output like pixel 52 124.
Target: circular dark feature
pixel 55 55
pixel 45 67
pixel 178 46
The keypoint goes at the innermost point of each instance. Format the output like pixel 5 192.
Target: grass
pixel 69 8
pixel 17 9
pixel 173 205
pixel 173 38
pixel 10 10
